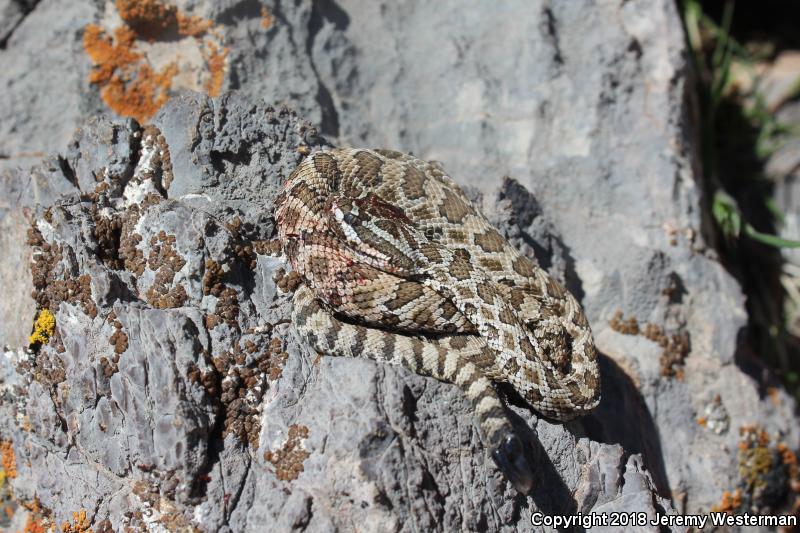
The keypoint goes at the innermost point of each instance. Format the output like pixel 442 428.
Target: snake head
pixel 510 457
pixel 378 233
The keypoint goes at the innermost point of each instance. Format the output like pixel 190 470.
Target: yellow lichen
pixel 754 465
pixel 43 329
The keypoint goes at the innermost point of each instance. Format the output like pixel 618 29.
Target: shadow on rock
pixel 550 494
pixel 623 418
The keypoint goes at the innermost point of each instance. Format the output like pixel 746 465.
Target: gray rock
pixel 173 369
pixel 11 14
pixel 43 95
pixel 584 107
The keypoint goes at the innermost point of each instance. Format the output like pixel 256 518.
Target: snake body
pixel 401 267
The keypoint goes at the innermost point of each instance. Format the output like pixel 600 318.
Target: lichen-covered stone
pixel 583 105
pixel 173 375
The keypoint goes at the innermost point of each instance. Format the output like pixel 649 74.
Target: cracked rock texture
pixel 173 393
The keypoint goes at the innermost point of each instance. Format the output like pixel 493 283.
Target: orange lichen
pixel 216 67
pixel 143 95
pixel 789 458
pixel 266 18
pixel 767 469
pixel 36 523
pixel 7 459
pixel 81 524
pixel 129 84
pixel 774 397
pixel 107 56
pixel 703 421
pixel 38 520
pixel 192 26
pixel 730 502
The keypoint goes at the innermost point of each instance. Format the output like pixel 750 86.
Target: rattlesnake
pixel 401 267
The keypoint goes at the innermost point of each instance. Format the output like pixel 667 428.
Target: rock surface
pixel 172 390
pixel 161 412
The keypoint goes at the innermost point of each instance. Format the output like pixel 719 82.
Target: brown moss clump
pixel 107 232
pixel 268 247
pixel 163 254
pixel 212 279
pixel 676 346
pixel 166 262
pixel 277 358
pixel 242 389
pixel 211 321
pixel 239 378
pixel 132 257
pixel 161 298
pixel 160 171
pixel 675 349
pixel 288 460
pixel 49 288
pixel 227 308
pixel 287 282
pixel 104 526
pixel 626 327
pixel 119 340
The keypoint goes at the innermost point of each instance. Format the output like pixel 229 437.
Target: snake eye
pixel 349 219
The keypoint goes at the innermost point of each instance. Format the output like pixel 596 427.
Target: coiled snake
pixel 400 267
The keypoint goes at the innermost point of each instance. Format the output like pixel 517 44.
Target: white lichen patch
pixel 46 229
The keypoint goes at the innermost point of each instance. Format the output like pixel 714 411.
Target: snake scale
pixel 400 267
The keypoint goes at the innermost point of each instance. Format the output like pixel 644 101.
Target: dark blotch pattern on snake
pixel 401 267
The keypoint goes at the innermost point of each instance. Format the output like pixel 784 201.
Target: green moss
pixel 754 465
